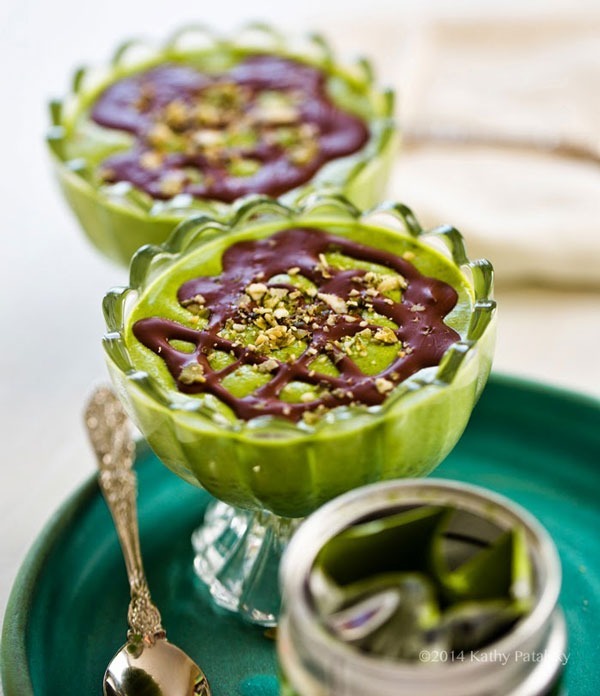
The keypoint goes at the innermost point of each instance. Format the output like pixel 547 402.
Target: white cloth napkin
pixel 535 215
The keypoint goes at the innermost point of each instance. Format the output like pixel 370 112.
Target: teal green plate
pixel 66 615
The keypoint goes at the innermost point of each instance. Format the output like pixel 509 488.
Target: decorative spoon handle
pixel 109 431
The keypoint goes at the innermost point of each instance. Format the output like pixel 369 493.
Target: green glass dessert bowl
pixel 292 354
pixel 201 121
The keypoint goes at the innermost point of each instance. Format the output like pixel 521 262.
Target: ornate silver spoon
pixel 147 664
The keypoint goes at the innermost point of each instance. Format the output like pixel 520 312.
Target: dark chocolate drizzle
pixel 244 263
pixel 118 107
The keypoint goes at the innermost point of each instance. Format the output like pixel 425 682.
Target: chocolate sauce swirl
pixel 333 314
pixel 195 165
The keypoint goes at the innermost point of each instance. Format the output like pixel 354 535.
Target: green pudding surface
pixel 370 354
pixel 89 141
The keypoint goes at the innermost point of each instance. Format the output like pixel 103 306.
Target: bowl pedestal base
pixel 237 554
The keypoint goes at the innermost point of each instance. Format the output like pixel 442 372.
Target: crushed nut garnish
pixel 208 138
pixel 268 365
pixel 195 305
pixel 172 183
pixel 279 336
pixel 386 335
pixel 151 160
pixel 383 385
pixel 160 135
pixel 177 114
pixel 193 373
pixel 107 174
pixel 256 290
pixel 260 322
pixel 310 417
pixel 275 109
pixel 242 167
pixel 389 283
pixel 336 303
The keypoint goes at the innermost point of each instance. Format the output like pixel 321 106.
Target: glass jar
pixel 525 661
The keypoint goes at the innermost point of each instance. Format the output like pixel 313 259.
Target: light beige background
pixel 52 281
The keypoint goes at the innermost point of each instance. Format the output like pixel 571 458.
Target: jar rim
pixel 328 521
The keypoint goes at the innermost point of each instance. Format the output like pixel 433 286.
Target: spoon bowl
pixel 161 669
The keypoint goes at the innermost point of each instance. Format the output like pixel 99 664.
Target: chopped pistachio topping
pixel 336 303
pixel 106 173
pixel 195 305
pixel 389 283
pixel 172 183
pixel 256 291
pixel 151 160
pixel 268 365
pixel 193 373
pixel 383 386
pixel 275 109
pixel 224 124
pixel 207 138
pixel 386 335
pixel 303 153
pixel 243 167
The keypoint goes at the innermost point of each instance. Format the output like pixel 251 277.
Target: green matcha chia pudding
pixel 262 360
pixel 201 121
pixel 296 354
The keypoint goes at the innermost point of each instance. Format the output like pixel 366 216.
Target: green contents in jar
pixel 415 583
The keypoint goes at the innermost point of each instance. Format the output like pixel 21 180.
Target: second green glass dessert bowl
pixel 200 121
pixel 367 343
